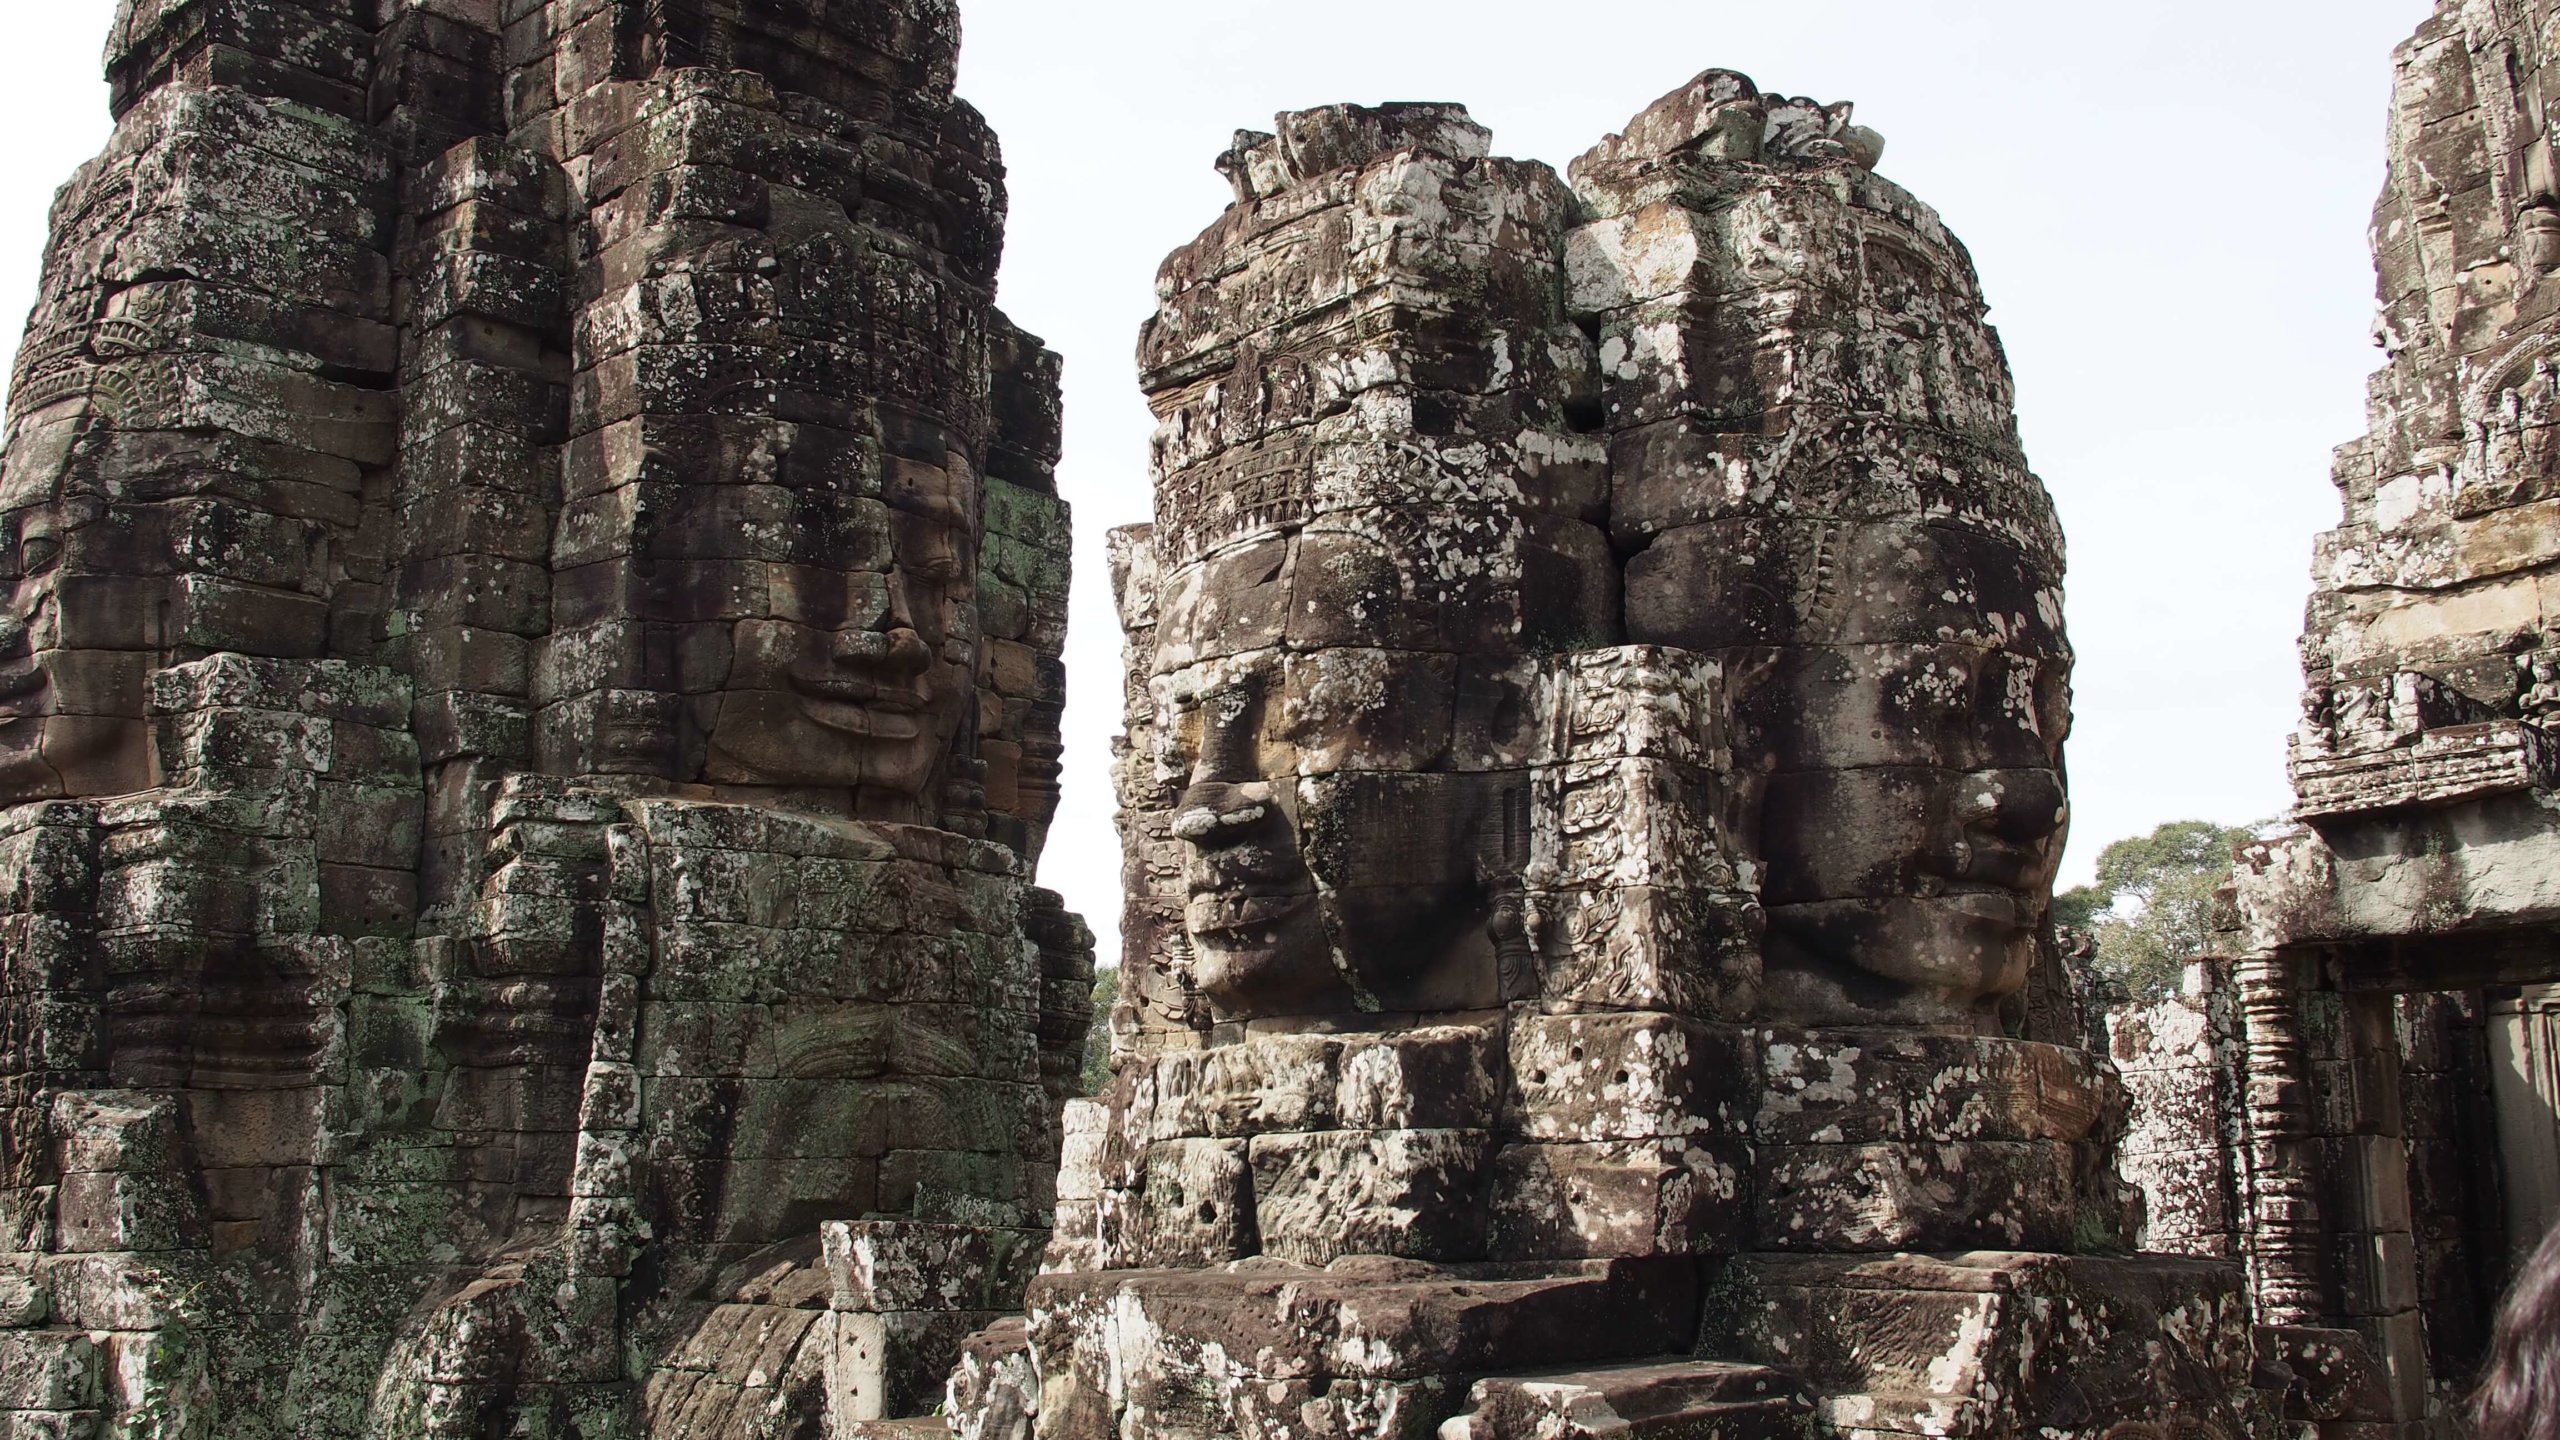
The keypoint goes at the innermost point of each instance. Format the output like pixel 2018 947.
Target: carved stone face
pixel 1371 514
pixel 1914 834
pixel 1916 807
pixel 70 708
pixel 29 485
pixel 858 677
pixel 1906 692
pixel 1333 854
pixel 1327 893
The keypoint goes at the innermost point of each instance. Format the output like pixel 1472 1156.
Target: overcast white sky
pixel 2167 200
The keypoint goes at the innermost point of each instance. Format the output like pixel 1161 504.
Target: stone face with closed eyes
pixel 532 590
pixel 1596 671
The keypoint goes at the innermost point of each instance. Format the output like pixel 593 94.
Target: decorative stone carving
pixel 531 687
pixel 2176 1056
pixel 2370 947
pixel 1592 782
pixel 1859 522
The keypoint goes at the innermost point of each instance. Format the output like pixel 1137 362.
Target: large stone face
pixel 1346 562
pixel 1595 696
pixel 533 603
pixel 1815 470
pixel 1432 423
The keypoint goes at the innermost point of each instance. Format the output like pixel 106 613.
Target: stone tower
pixel 1591 793
pixel 2390 1144
pixel 534 602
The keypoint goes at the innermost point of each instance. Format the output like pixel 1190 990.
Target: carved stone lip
pixel 2009 870
pixel 869 719
pixel 861 690
pixel 1981 899
pixel 1232 915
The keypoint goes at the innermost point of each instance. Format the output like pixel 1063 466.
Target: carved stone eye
pixel 38 550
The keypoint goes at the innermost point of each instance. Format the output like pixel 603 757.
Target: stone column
pixel 2525 1069
pixel 2285 1231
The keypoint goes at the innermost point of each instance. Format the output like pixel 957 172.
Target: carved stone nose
pixel 1227 734
pixel 1979 802
pixel 2020 807
pixel 898 649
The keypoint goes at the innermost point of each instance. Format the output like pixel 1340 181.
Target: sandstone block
pixel 1674 1399
pixel 48 1370
pixel 1879 1334
pixel 1853 1087
pixel 1977 1194
pixel 1594 1077
pixel 1410 1193
pixel 1196 1207
pixel 1596 1199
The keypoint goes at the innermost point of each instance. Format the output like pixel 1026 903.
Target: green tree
pixel 1097 1041
pixel 2151 910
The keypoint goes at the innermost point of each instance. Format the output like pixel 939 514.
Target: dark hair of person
pixel 2519 1396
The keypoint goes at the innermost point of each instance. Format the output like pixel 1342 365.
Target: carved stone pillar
pixel 2285 1249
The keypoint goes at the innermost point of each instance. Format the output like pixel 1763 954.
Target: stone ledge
pixel 2444 766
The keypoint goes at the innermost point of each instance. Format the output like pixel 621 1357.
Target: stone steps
pixel 1674 1399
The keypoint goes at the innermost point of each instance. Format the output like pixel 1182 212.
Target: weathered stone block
pixel 95 1212
pixel 1653 253
pixel 1413 1193
pixel 1592 1077
pixel 1852 1087
pixel 116 1291
pixel 1639 1197
pixel 891 1267
pixel 1913 1195
pixel 1904 1342
pixel 48 1370
pixel 113 1131
pixel 1194 1206
pixel 1699 1397
pixel 1679 950
pixel 1359 1319
pixel 1075 1238
pixel 270 1126
pixel 1438 1077
pixel 24 1303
